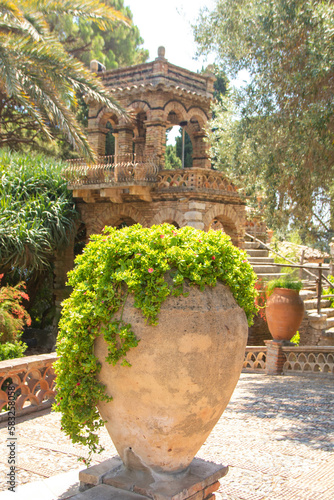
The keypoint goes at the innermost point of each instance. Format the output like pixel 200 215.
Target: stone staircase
pixel 266 269
pixel 262 264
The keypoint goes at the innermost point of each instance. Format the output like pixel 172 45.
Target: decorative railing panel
pixel 194 178
pixel 30 380
pixel 309 359
pixel 255 359
pixel 112 170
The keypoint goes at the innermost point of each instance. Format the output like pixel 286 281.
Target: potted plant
pixel 284 307
pixel 152 341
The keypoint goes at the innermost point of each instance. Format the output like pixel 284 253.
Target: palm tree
pixel 39 75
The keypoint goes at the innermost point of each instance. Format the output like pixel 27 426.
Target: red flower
pixel 150 270
pixel 213 257
pixel 78 383
pixel 162 235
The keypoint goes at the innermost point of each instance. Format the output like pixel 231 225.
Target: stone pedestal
pixel 275 356
pixel 112 480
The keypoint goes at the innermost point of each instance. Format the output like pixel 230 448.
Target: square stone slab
pixel 198 481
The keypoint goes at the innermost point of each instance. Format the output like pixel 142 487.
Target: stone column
pixel 156 139
pixel 200 151
pixel 194 217
pixel 124 140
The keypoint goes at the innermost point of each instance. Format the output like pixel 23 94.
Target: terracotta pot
pixel 284 312
pixel 183 374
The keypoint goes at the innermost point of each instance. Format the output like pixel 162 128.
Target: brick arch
pixel 168 214
pixel 138 106
pixel 178 108
pixel 199 115
pixel 232 223
pixel 106 115
pixel 112 216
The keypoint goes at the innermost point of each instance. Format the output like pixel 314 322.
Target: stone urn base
pixel 111 480
pixel 182 376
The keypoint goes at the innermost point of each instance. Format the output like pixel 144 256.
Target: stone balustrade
pixel 285 358
pixel 255 359
pixel 112 170
pixel 34 380
pixel 309 359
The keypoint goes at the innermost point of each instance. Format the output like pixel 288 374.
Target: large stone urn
pixel 182 376
pixel 284 313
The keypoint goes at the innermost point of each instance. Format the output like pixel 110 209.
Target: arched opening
pixel 221 223
pixel 179 148
pixel 124 222
pixel 110 140
pixel 172 223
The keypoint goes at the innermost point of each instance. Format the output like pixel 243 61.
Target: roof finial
pixel 161 52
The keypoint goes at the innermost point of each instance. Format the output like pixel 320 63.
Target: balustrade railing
pixel 297 360
pixel 309 359
pixel 255 359
pixel 194 178
pixel 112 170
pixel 30 381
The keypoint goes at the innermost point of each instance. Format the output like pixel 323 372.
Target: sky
pixel 168 23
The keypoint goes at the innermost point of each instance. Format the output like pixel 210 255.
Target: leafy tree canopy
pixel 276 134
pixel 84 39
pixel 39 79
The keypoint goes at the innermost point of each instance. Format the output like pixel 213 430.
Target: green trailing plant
pixel 329 290
pixel 133 260
pixel 284 281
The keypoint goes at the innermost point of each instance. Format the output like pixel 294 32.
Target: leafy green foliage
pixel 284 281
pixel 276 134
pixel 12 350
pixel 133 260
pixel 85 40
pixel 40 76
pixel 13 316
pixel 330 291
pixel 37 214
pixel 172 161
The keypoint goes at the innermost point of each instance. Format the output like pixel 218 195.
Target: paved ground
pixel 277 436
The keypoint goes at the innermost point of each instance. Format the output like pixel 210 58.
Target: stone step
pixel 263 269
pixel 312 303
pixel 257 252
pixel 330 323
pixel 307 294
pixel 261 260
pixel 324 310
pixel 251 244
pixel 269 276
pixel 329 333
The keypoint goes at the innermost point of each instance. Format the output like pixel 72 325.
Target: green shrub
pixel 132 260
pixel 12 350
pixel 284 281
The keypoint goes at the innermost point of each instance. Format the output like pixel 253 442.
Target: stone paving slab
pixel 276 435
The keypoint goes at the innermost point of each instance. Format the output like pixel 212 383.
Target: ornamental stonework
pixel 131 185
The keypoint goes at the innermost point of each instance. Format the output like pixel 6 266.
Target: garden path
pixel 277 436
